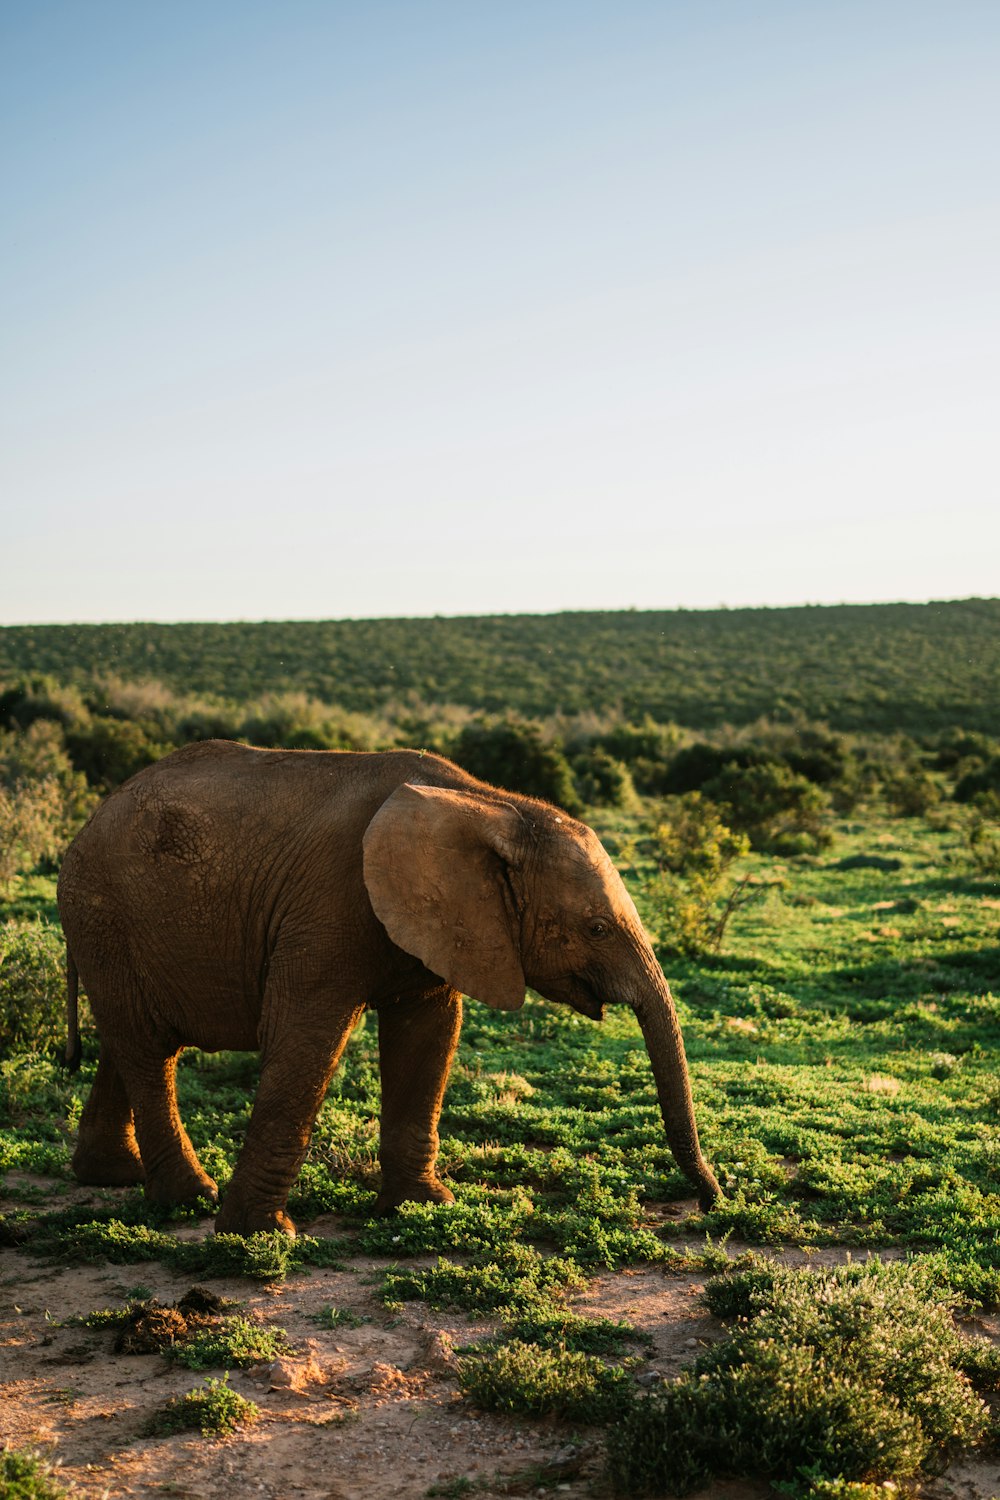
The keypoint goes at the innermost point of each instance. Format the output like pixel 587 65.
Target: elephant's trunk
pixel 654 1008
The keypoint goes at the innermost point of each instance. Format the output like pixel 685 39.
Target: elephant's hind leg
pixel 174 1174
pixel 106 1152
pixel 417 1037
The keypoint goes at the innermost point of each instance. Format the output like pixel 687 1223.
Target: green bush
pixel 26 1476
pixel 236 1340
pixel 983 838
pixel 211 1409
pixel 910 791
pixel 602 781
pixel 855 1372
pixel 40 698
pixel 979 783
pixel 43 799
pixel 701 762
pixel 544 1382
pixel 519 1278
pixel 779 811
pixel 514 755
pixel 32 987
pixel 646 750
pixel 108 751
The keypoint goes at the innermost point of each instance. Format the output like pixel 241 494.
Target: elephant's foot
pixel 117 1165
pixel 180 1187
pixel 243 1219
pixel 423 1190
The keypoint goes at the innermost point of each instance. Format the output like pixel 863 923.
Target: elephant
pixel 229 897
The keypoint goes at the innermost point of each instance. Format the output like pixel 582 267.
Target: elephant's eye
pixel 598 929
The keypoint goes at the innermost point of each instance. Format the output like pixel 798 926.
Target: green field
pixel 882 666
pixel 843 1030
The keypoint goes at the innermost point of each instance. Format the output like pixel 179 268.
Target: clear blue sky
pixel 329 309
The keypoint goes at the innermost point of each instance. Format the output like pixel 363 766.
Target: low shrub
pixel 910 791
pixel 212 1409
pixel 27 1476
pixel 602 781
pixel 983 839
pixel 43 799
pixel 689 896
pixel 545 1382
pixel 519 1278
pixel 780 811
pixel 977 784
pixel 236 1340
pixel 32 987
pixel 855 1372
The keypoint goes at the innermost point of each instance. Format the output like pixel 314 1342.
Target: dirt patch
pixel 364 1410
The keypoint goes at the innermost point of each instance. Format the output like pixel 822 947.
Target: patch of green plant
pixel 25 1475
pixel 527 1378
pixel 338 1317
pixel 810 1485
pixel 979 1360
pixel 213 1409
pixel 109 1317
pixel 235 1340
pixel 73 1236
pixel 550 1327
pixel 262 1256
pixel 104 1239
pixel 855 1370
pixel 517 1279
pixel 687 894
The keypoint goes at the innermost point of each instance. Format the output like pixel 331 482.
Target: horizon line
pixel 534 614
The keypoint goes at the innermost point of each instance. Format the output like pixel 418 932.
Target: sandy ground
pixel 358 1413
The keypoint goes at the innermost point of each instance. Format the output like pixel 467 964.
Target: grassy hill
pixel 884 667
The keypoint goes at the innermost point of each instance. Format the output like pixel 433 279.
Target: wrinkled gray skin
pixel 229 897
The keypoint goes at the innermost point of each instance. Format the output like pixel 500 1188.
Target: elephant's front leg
pixel 417 1038
pixel 297 1061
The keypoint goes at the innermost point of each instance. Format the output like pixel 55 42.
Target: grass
pixel 339 1317
pixel 844 1053
pixel 81 1235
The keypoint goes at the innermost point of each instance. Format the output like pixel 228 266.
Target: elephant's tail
pixel 74 1049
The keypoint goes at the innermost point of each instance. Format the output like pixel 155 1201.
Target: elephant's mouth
pixel 578 994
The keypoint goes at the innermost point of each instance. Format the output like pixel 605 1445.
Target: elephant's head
pixel 494 895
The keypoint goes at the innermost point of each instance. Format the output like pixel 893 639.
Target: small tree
pixel 689 898
pixel 43 800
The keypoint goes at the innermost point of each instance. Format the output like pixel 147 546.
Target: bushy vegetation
pixel 684 866
pixel 27 1476
pixel 852 1374
pixel 32 974
pixel 882 667
pixel 213 1409
pixel 541 1382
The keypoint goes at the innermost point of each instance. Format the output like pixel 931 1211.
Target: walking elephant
pixel 229 897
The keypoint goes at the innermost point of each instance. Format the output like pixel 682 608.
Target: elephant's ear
pixel 435 863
